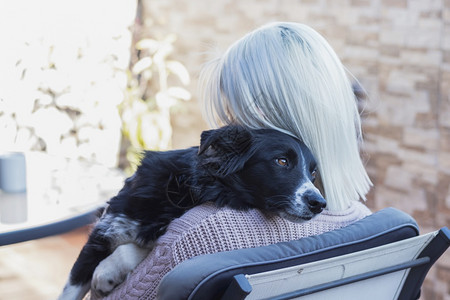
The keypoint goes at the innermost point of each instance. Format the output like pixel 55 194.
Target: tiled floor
pixel 38 269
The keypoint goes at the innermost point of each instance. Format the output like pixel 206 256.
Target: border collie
pixel 233 167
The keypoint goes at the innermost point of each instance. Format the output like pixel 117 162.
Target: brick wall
pixel 400 52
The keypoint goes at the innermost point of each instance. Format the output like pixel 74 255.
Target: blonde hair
pixel 286 76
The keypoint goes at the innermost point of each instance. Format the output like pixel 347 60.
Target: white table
pixel 62 194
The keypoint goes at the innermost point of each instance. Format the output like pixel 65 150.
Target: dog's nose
pixel 316 203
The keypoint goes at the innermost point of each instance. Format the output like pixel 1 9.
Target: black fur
pixel 232 167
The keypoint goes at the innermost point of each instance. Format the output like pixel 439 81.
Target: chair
pixel 379 257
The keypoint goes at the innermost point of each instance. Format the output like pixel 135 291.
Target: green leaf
pixel 142 64
pixel 179 93
pixel 149 44
pixel 179 70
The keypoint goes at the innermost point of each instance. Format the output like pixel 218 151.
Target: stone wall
pixel 400 52
pixel 63 73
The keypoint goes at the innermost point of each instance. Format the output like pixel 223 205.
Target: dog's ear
pixel 225 150
pixel 229 139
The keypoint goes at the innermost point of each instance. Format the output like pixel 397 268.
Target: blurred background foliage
pixel 87 84
pixel 63 75
pixel 155 86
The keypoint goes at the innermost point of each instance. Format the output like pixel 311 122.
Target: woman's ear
pixel 225 150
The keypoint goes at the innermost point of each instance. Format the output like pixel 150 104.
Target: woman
pixel 283 76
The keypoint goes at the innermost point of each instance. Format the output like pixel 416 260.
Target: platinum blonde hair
pixel 286 76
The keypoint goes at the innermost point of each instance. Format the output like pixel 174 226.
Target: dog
pixel 233 166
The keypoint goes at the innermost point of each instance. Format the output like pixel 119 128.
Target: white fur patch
pixel 74 292
pixel 304 187
pixel 114 269
pixel 119 228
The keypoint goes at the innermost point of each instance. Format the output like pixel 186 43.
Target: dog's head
pixel 262 168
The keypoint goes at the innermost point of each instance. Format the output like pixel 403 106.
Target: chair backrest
pixel 385 272
pixel 209 276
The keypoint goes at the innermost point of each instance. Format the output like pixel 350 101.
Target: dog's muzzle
pixel 315 202
pixel 310 196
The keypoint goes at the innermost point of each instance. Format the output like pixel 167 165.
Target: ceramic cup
pixel 13 177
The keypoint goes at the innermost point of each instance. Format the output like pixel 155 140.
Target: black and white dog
pixel 233 167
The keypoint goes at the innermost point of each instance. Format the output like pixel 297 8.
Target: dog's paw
pixel 114 269
pixel 106 277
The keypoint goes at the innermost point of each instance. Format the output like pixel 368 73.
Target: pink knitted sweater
pixel 208 229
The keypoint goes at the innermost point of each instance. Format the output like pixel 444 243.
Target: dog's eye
pixel 282 162
pixel 314 174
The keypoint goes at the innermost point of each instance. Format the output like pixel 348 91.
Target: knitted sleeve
pixel 207 229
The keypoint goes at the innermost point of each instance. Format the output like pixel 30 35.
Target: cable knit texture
pixel 208 229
